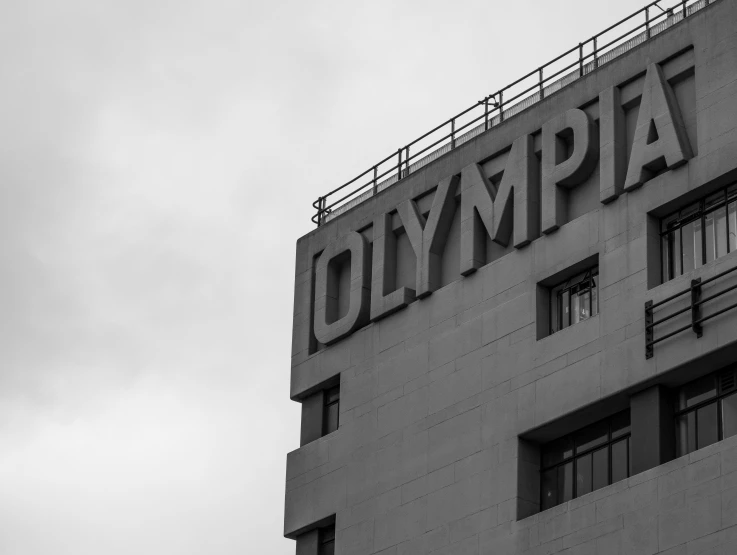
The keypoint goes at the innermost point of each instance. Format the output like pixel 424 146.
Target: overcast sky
pixel 158 160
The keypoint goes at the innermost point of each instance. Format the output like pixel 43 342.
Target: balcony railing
pixel 495 108
pixel 695 307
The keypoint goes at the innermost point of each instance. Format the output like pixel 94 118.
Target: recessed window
pixel 574 300
pixel 707 411
pixel 327 541
pixel 699 233
pixel 586 460
pixel 331 408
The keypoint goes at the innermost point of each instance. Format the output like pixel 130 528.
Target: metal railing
pixel 694 307
pixel 508 101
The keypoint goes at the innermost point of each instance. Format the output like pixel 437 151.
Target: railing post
pixel 542 92
pixel 696 308
pixel 501 106
pixel 399 164
pixel 596 54
pixel 685 13
pixel 321 216
pixel 580 59
pixel 486 113
pixel 406 160
pixel 647 22
pixel 376 186
pixel 452 133
pixel 649 331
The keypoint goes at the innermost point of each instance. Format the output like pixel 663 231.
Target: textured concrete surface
pixel 444 400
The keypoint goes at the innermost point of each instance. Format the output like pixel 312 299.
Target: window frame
pixel 694 211
pixel 576 455
pixel 717 399
pixel 556 298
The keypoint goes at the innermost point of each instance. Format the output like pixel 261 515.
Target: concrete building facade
pixel 528 345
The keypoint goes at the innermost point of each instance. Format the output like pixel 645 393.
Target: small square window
pixel 574 300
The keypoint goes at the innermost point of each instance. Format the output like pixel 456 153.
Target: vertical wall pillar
pixel 307 543
pixel 311 418
pixel 653 437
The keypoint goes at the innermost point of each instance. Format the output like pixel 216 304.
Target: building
pixel 528 343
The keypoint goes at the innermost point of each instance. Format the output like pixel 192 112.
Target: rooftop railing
pixel 495 108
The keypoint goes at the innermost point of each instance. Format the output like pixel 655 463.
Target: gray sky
pixel 158 160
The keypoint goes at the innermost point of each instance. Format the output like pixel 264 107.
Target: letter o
pixel 327 327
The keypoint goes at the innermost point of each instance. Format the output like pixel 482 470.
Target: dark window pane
pixel 697 391
pixel 327 548
pixel 620 460
pixel 327 534
pixel 549 489
pixel 729 415
pixel 713 200
pixel 686 430
pixel 666 257
pixel 708 428
pixel 677 253
pixel 557 451
pixel 732 217
pixel 554 312
pixel 591 436
pixel 565 482
pixel 331 418
pixel 565 309
pixel 583 475
pixel 621 424
pixel 332 395
pixel 601 468
pixel 327 541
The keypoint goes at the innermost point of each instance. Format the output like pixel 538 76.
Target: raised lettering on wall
pixel 428 238
pixel 384 299
pixel 516 210
pixel 328 329
pixel 510 209
pixel 660 139
pixel 612 145
pixel 559 171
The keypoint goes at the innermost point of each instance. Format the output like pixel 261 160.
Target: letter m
pixel 513 207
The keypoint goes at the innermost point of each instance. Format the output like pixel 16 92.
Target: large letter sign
pixel 328 327
pixel 660 136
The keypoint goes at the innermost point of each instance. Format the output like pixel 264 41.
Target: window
pixel 586 460
pixel 326 541
pixel 331 406
pixel 574 300
pixel 707 411
pixel 699 233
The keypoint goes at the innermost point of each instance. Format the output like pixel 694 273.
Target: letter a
pixel 660 136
